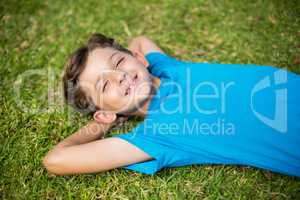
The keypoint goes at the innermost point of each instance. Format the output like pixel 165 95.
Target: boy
pixel 194 113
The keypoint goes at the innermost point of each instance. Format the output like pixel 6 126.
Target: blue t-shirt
pixel 208 113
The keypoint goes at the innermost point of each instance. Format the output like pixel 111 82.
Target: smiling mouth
pixel 132 86
pixel 128 91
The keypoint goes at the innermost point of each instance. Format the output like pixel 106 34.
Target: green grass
pixel 39 35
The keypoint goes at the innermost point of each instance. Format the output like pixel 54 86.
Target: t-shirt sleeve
pixel 158 61
pixel 157 147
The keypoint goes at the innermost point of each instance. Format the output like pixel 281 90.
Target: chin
pixel 140 98
pixel 143 91
pixel 141 95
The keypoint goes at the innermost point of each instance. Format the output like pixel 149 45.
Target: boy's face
pixel 115 80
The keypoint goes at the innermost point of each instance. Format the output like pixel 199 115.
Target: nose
pixel 119 78
pixel 122 78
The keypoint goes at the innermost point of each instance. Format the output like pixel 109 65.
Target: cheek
pixel 116 101
pixel 113 96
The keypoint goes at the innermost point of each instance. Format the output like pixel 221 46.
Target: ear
pixel 140 56
pixel 104 117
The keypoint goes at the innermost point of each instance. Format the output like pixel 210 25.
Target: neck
pixel 142 112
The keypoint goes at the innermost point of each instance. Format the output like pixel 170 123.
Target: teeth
pixel 131 85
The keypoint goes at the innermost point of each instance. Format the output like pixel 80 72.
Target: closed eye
pixel 104 86
pixel 119 62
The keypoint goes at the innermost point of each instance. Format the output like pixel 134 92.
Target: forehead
pixel 98 60
pixel 100 57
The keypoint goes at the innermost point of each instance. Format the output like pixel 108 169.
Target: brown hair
pixel 73 92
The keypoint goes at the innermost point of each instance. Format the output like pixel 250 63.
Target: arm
pixel 143 45
pixel 83 152
pixel 92 131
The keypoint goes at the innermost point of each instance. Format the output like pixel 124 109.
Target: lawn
pixel 37 36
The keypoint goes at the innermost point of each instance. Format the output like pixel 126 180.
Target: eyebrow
pixel 110 59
